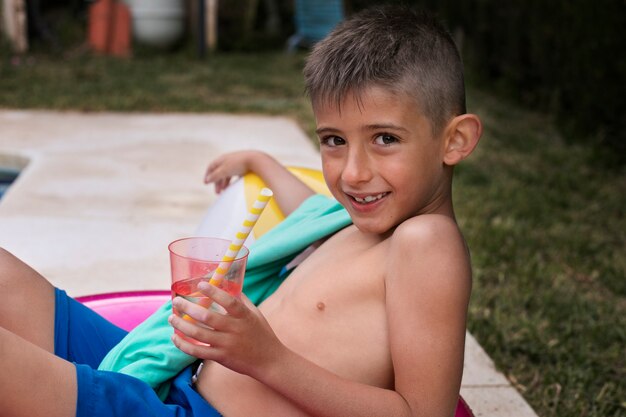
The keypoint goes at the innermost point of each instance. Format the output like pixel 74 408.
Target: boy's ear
pixel 462 135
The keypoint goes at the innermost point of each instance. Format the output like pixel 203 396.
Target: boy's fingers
pixel 194 330
pixel 200 313
pixel 208 178
pixel 198 351
pixel 188 327
pixel 231 304
pixel 209 169
pixel 210 173
pixel 221 184
pixel 211 176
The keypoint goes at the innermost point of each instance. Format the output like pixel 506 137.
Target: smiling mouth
pixel 368 199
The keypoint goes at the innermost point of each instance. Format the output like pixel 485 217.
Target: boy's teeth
pixel 369 198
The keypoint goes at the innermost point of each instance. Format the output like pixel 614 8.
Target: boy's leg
pixel 27 304
pixel 34 382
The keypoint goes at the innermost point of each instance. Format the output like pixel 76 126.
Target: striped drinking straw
pixel 241 236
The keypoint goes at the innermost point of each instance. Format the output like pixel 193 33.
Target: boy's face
pixel 380 159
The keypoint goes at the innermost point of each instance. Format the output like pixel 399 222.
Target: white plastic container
pixel 158 23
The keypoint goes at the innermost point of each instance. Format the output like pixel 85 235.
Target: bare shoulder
pixel 429 250
pixel 433 233
pixel 434 228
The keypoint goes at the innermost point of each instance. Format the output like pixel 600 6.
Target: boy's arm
pixel 427 290
pixel 289 191
pixel 427 294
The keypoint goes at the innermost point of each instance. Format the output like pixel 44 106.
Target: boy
pixel 372 322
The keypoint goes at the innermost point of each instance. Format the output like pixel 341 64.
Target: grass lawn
pixel 545 221
pixel 157 83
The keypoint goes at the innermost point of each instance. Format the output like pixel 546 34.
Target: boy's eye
pixel 333 141
pixel 385 139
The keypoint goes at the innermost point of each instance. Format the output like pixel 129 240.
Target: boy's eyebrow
pixel 375 126
pixel 378 126
pixel 324 129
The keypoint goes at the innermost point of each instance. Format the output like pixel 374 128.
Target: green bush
pixel 559 56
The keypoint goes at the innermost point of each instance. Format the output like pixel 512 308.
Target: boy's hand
pixel 289 191
pixel 241 340
pixel 223 168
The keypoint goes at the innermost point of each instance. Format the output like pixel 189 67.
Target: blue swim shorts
pixel 83 337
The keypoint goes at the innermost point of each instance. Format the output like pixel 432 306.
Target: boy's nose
pixel 357 168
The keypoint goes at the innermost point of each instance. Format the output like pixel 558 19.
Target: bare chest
pixel 345 269
pixel 332 310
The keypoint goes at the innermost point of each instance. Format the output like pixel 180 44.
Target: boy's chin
pixel 375 228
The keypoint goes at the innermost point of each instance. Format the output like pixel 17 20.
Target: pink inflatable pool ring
pixel 128 309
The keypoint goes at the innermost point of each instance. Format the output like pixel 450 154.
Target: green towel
pixel 147 352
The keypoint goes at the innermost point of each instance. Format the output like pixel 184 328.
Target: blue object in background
pixel 7 176
pixel 314 19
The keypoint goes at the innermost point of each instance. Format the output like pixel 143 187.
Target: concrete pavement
pixel 100 195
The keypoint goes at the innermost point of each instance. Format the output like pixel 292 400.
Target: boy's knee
pixel 5 257
pixel 9 263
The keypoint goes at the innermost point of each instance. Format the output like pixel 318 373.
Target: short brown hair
pixel 393 47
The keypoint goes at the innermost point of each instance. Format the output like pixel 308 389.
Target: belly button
pixel 321 306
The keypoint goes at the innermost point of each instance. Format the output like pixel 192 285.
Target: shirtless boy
pixel 373 321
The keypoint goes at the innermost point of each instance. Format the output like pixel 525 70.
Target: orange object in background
pixel 109 28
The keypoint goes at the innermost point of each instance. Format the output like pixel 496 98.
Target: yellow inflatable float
pixel 226 212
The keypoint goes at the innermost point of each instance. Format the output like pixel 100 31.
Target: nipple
pixel 321 306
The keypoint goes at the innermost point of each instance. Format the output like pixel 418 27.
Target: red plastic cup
pixel 194 260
